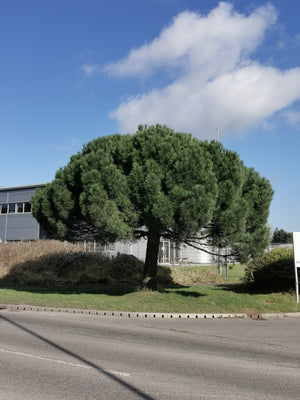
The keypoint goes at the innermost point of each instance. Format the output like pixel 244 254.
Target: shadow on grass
pixel 117 291
pixel 110 291
pixel 251 288
pixel 184 293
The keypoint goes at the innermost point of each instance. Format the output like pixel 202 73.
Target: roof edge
pixel 33 186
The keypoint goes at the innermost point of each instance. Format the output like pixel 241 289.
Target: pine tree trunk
pixel 149 281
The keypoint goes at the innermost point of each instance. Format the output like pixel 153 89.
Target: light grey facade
pixel 169 252
pixel 16 219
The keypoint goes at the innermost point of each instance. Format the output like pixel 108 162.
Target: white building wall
pixel 191 255
pixel 136 248
pixel 186 254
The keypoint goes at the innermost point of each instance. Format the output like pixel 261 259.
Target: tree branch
pixel 194 245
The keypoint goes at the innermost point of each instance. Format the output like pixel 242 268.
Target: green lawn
pixel 195 293
pixel 195 299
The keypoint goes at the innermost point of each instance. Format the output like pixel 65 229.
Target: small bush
pixel 126 269
pixel 274 271
pixel 164 275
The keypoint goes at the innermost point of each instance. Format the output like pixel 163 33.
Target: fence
pixel 95 247
pixel 169 252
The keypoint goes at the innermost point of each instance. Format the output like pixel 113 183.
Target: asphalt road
pixel 74 356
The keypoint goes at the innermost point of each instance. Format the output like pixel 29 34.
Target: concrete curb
pixel 150 315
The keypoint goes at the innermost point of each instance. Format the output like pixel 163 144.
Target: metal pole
pixel 174 254
pixel 296 245
pixel 297 285
pixel 226 266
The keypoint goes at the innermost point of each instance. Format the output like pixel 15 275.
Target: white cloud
pixel 234 101
pixel 90 69
pixel 198 41
pixel 218 84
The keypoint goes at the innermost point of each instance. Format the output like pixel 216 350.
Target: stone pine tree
pixel 238 226
pixel 157 184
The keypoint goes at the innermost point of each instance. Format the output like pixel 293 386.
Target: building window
pixel 20 207
pixel 11 208
pixel 27 207
pixel 168 252
pixel 3 208
pixel 15 208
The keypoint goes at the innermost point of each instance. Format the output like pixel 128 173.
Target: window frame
pixel 2 208
pixel 11 208
pixel 15 208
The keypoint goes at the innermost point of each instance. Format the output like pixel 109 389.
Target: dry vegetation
pixel 192 275
pixel 50 262
pixel 47 263
pixel 14 255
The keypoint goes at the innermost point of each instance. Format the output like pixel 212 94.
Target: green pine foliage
pixel 158 184
pixel 281 236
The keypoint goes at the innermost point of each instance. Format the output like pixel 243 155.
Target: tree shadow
pixel 71 290
pixel 250 288
pixel 106 290
pixel 97 368
pixel 189 294
pixel 184 293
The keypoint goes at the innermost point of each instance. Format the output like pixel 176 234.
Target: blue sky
pixel 73 70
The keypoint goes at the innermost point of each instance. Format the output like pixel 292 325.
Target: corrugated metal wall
pixel 18 226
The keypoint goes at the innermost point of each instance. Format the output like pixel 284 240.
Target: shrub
pixel 49 263
pixel 274 271
pixel 126 269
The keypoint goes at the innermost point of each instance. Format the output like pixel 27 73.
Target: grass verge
pixel 59 276
pixel 196 299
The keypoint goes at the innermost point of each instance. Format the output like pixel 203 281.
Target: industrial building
pixel 16 219
pixel 18 223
